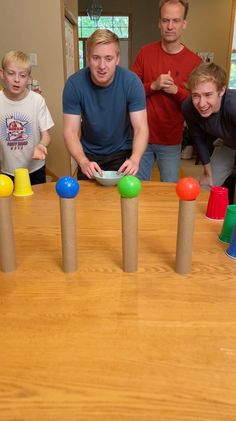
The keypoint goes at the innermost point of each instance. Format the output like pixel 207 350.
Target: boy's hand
pixel 205 180
pixel 40 152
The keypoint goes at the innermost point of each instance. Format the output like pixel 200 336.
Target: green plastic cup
pixel 228 225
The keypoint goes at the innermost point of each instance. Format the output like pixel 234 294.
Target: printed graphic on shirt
pixel 15 130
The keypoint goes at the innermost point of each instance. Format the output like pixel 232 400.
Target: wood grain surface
pixel 100 344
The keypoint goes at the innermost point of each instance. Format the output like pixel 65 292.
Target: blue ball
pixel 67 187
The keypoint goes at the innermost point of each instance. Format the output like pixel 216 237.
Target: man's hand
pixel 40 152
pixel 164 81
pixel 173 89
pixel 130 167
pixel 88 168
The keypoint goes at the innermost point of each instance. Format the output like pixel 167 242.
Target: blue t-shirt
pixel 105 125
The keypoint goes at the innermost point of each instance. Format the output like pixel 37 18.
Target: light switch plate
pixel 33 59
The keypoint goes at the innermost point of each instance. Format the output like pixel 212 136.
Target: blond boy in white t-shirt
pixel 24 120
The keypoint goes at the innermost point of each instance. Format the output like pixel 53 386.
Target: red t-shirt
pixel 165 117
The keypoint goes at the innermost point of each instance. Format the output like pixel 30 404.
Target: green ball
pixel 129 186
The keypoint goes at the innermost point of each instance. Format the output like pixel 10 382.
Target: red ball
pixel 187 188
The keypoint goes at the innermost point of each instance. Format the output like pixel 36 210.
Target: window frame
pixel 231 50
pixel 83 39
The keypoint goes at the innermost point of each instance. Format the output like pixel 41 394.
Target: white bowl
pixel 109 178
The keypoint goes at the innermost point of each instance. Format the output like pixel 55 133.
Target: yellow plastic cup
pixel 22 182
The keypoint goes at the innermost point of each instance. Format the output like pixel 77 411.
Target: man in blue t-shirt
pixel 104 106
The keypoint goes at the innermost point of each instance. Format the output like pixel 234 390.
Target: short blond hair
pixel 18 57
pixel 207 72
pixel 102 36
pixel 185 3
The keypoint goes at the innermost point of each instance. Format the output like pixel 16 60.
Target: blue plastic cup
pixel 231 250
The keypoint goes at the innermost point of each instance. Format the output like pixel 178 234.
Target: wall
pixel 37 27
pixel 209 28
pixel 144 19
pixel 208 23
pixel 72 5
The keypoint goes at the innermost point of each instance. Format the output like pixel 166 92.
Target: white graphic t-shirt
pixel 20 125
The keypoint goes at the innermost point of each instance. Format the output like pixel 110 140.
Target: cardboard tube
pixel 68 234
pixel 129 216
pixel 185 236
pixel 7 242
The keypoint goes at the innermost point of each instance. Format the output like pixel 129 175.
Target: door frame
pixel 231 37
pixel 68 17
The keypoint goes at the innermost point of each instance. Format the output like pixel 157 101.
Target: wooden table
pixel 101 344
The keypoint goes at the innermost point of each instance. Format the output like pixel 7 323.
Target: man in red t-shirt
pixel 164 67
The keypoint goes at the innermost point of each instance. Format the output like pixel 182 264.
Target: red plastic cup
pixel 217 203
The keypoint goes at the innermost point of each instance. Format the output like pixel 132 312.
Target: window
pixel 117 24
pixel 232 49
pixel 232 77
